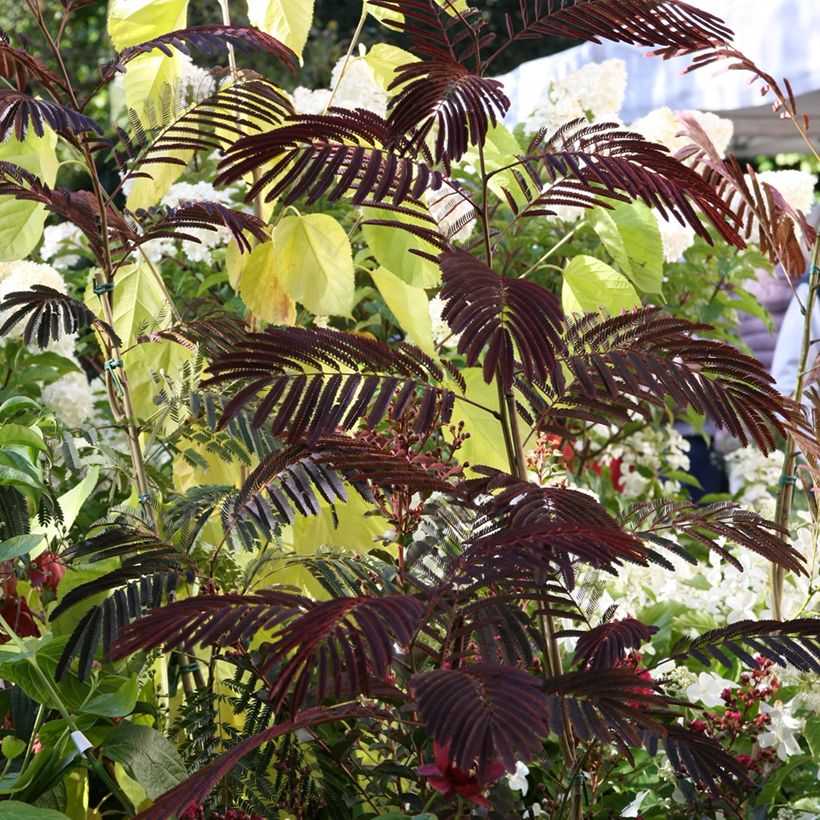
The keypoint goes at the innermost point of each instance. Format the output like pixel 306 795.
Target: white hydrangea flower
pixel 707 689
pixel 60 241
pixel 753 473
pixel 442 335
pixel 663 126
pixel 676 238
pixel 783 731
pixel 309 101
pixel 21 275
pixel 453 211
pixel 517 781
pixel 71 399
pixel 595 91
pixel 355 85
pixel 178 195
pixel 796 187
pixel 197 83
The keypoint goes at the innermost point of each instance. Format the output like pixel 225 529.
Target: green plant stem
pixel 137 459
pixel 348 55
pixel 95 764
pixel 785 496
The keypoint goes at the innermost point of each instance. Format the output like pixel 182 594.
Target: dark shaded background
pixel 86 45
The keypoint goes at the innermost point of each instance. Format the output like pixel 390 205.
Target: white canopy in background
pixel 781 36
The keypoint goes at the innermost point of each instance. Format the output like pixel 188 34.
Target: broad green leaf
pixel 500 149
pixel 15 435
pixel 149 76
pixel 410 306
pixel 71 502
pixel 384 59
pixel 115 704
pixel 145 192
pixel 141 306
pixel 15 810
pixel 393 248
pixel 21 222
pixel 812 735
pixel 485 445
pixel 260 289
pixel 148 83
pixel 314 263
pixel 591 285
pixel 12 747
pixel 18 404
pixel 147 756
pixel 630 233
pixel 134 21
pixel 18 545
pixel 288 21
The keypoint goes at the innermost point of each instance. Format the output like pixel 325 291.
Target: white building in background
pixel 781 36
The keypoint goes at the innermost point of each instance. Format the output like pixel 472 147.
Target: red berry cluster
pixel 741 721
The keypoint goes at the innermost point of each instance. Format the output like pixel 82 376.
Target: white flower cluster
pixel 783 729
pixel 755 476
pixel 179 194
pixel 796 187
pixel 355 85
pixel 441 330
pixel 676 237
pixel 595 91
pixel 70 398
pixel 61 243
pixel 647 449
pixel 70 395
pixel 21 275
pixel 662 125
pixel 707 689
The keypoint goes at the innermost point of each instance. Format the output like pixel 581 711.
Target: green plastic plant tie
pixel 188 667
pixel 144 498
pixel 103 287
pixel 111 366
pixel 785 480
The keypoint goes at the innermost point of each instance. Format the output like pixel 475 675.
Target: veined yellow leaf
pixel 258 285
pixel 288 21
pixel 410 306
pixel 314 263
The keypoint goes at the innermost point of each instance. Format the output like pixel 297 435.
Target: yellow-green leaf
pixel 392 248
pixel 630 233
pixel 21 222
pixel 260 289
pixel 384 59
pixel 486 442
pixel 314 263
pixel 134 21
pixel 149 82
pixel 288 21
pixel 141 306
pixel 410 306
pixel 591 285
pixel 146 192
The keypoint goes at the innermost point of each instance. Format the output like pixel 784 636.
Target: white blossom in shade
pixel 517 781
pixel 633 809
pixel 61 241
pixel 70 398
pixel 554 113
pixel 676 238
pixel 534 810
pixel 707 689
pixel 679 679
pixel 783 730
pixel 183 192
pixel 452 210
